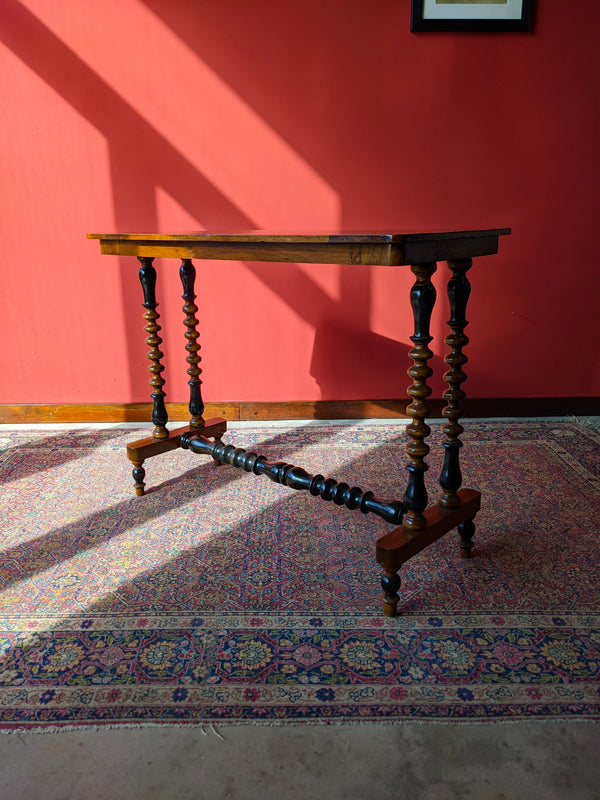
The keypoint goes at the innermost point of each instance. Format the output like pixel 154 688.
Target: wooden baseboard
pixel 318 409
pixel 105 412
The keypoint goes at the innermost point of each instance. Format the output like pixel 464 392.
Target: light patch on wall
pixel 172 216
pixel 196 111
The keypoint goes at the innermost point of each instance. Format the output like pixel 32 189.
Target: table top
pixel 388 248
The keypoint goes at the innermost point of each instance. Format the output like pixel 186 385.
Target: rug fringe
pixel 291 723
pixel 593 423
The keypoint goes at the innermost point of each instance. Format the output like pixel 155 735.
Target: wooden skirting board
pixel 317 409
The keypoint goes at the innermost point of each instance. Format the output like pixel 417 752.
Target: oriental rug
pixel 222 597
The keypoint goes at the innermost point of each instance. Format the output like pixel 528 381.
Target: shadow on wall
pixel 142 159
pixel 341 352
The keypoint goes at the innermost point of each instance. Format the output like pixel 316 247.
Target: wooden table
pixel 417 525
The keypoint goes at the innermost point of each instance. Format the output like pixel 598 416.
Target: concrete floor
pixel 519 761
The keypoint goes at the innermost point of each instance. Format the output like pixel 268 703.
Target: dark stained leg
pixel 162 440
pixel 459 290
pixel 139 473
pixel 159 413
pixel 422 299
pixel 390 583
pixel 397 546
pixel 187 274
pixel 294 477
pixel 466 531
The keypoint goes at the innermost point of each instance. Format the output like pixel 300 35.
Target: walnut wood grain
pixel 384 248
pixel 142 449
pixel 395 547
pixel 290 237
pixel 149 446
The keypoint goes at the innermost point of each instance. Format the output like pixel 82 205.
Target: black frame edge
pixel 420 25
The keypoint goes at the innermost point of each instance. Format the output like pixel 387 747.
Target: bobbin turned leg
pixel 466 531
pixel 139 473
pixel 187 273
pixel 162 440
pixel 390 583
pixel 159 413
pixel 422 298
pixel 147 276
pixel 459 290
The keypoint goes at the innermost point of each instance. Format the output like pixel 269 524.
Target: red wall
pixel 167 114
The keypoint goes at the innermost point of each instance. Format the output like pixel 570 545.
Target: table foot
pixel 390 583
pixel 396 547
pixel 466 530
pixel 139 473
pixel 140 450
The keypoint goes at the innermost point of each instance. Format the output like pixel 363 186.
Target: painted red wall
pixel 166 114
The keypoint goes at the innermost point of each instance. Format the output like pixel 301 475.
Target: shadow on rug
pixel 222 597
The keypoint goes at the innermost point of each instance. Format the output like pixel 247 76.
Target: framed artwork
pixel 471 15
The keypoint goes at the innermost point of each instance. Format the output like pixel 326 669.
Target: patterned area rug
pixel 223 597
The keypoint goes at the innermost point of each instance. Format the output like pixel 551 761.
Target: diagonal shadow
pixel 30 558
pixel 119 651
pixel 59 449
pixel 283 517
pixel 185 581
pixel 342 329
pixel 36 555
pixel 142 159
pixel 22 660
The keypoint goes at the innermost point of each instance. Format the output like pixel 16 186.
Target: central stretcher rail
pixel 342 494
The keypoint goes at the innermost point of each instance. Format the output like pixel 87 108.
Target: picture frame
pixel 472 15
